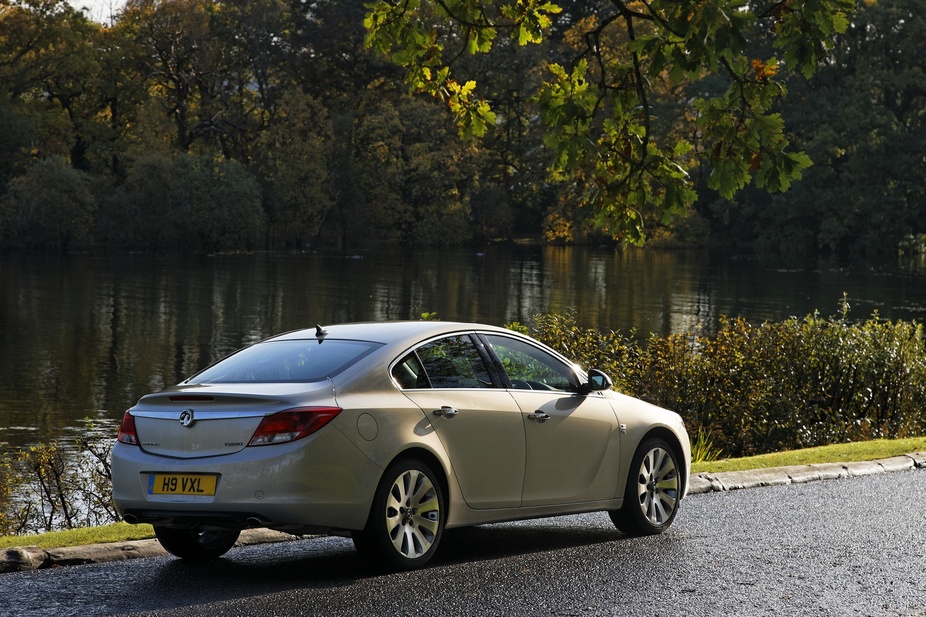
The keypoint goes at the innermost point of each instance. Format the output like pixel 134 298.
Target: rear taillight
pixel 127 430
pixel 292 424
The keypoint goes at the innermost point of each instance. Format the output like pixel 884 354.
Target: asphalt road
pixel 850 546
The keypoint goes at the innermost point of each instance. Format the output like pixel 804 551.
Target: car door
pixel 478 423
pixel 572 440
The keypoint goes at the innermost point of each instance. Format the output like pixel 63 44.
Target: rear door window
pixel 450 362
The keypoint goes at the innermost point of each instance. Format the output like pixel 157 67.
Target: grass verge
pixel 117 532
pixel 839 453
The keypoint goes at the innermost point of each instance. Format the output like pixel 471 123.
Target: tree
pixel 292 164
pixel 863 120
pixel 208 76
pixel 326 50
pixel 512 193
pixel 416 177
pixel 48 65
pixel 185 203
pixel 15 139
pixel 217 205
pixel 50 207
pixel 607 143
pixel 139 214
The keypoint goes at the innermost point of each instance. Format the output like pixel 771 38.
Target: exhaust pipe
pixel 254 522
pixel 131 519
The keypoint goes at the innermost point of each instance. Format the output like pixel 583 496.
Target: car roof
pixel 389 332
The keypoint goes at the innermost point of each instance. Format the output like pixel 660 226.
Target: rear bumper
pixel 322 481
pixel 215 521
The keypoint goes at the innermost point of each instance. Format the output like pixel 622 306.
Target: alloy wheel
pixel 658 486
pixel 412 513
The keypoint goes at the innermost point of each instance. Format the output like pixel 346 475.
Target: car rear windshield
pixel 301 360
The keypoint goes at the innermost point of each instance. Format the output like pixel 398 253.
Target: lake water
pixel 82 337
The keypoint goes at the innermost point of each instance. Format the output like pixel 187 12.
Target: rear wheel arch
pixel 408 513
pixel 431 460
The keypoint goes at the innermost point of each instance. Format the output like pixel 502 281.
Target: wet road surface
pixel 852 546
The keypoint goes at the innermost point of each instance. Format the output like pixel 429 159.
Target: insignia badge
pixel 186 418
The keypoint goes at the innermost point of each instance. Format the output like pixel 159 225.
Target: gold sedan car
pixel 392 432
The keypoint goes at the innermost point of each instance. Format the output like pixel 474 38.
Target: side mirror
pixel 597 381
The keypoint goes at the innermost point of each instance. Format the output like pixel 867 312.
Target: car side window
pixel 531 368
pixel 409 373
pixel 451 362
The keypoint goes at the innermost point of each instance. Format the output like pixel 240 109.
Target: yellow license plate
pixel 181 484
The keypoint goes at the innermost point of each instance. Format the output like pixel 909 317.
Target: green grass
pixel 840 453
pixel 117 532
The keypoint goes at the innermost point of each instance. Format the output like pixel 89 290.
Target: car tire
pixel 406 519
pixel 194 545
pixel 651 498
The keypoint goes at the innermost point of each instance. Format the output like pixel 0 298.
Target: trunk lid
pixel 203 421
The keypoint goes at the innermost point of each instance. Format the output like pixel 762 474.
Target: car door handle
pixel 446 411
pixel 539 416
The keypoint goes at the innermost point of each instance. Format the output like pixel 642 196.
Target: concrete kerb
pixel 20 558
pixel 799 474
pixel 24 558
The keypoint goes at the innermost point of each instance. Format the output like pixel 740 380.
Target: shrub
pixel 50 488
pixel 769 387
pixel 50 207
pixel 187 203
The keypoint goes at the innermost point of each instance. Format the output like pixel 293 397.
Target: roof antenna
pixel 320 332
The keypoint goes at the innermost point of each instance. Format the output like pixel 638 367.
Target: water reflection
pixel 81 334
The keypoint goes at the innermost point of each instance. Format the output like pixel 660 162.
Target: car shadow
pixel 495 541
pixel 320 564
